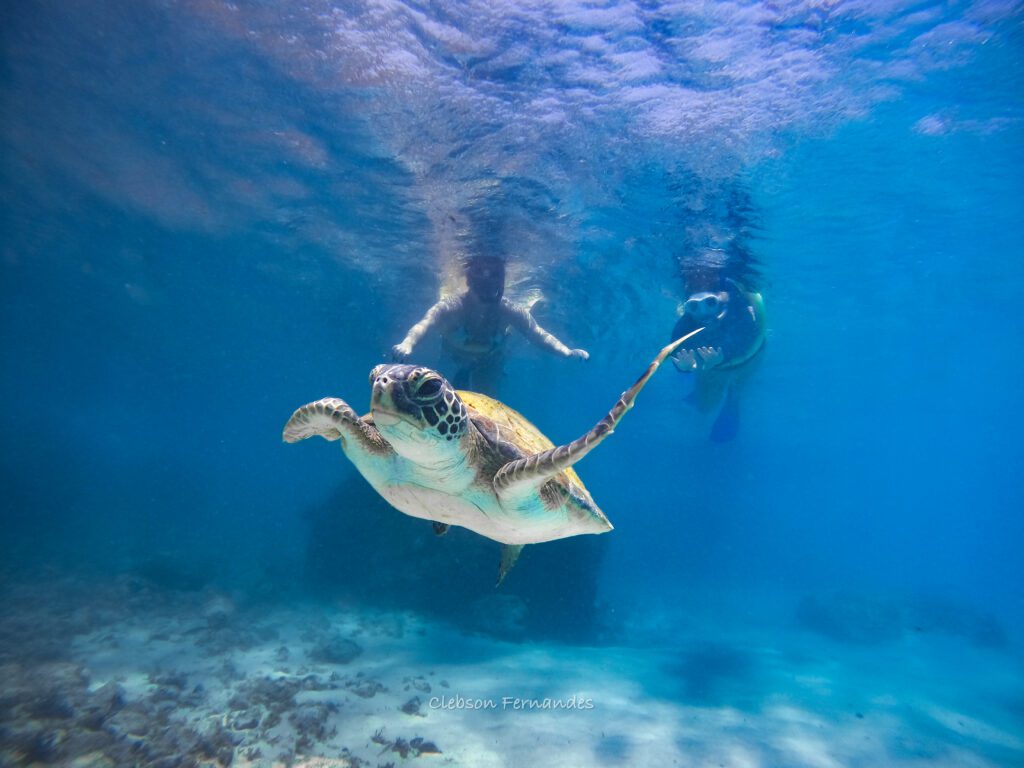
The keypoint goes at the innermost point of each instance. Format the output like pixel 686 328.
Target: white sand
pixel 766 697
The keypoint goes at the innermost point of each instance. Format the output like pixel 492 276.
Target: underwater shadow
pixel 864 619
pixel 712 675
pixel 361 549
pixel 613 750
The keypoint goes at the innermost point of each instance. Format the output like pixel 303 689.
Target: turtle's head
pixel 417 412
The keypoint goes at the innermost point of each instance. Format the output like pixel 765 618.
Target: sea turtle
pixel 462 458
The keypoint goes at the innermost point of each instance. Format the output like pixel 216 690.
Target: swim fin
pixel 727 424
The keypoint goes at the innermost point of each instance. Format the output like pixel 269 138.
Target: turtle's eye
pixel 429 389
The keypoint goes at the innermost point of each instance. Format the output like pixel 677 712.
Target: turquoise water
pixel 215 212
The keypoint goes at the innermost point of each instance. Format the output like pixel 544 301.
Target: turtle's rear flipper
pixel 509 555
pixel 531 472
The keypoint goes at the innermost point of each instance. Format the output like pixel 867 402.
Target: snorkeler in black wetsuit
pixel 733 335
pixel 475 325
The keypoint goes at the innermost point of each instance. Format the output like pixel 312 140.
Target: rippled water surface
pixel 214 212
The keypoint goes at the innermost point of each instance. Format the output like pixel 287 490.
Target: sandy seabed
pixel 121 673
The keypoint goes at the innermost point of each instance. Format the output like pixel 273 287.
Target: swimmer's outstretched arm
pixel 441 312
pixel 521 319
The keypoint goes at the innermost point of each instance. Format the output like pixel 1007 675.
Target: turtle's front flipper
pixel 332 418
pixel 537 469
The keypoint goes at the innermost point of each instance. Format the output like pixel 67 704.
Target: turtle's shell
pixel 524 434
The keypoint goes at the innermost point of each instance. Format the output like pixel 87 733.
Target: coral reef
pixel 414 747
pixel 51 716
pixel 335 649
pixel 208 695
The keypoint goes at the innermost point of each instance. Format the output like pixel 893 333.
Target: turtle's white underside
pixel 484 517
pixel 449 495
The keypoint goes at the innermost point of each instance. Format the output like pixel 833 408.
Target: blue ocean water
pixel 215 212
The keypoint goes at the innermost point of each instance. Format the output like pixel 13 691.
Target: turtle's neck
pixel 447 466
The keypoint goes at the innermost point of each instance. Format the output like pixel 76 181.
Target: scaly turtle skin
pixel 462 458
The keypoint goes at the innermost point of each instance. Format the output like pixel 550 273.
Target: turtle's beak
pixel 382 404
pixel 384 418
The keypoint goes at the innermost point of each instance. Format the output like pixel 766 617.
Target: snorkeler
pixel 733 335
pixel 475 325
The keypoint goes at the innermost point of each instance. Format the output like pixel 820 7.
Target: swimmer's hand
pixel 579 354
pixel 401 352
pixel 711 357
pixel 684 360
pixel 704 358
